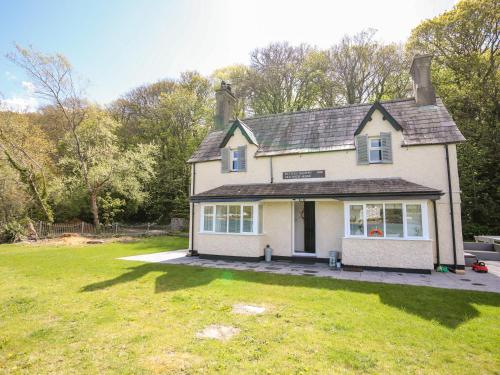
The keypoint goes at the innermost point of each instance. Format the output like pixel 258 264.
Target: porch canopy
pixel 386 188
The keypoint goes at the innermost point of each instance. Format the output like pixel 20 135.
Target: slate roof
pixel 378 187
pixel 334 128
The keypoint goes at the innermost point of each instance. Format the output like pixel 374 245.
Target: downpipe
pixel 452 214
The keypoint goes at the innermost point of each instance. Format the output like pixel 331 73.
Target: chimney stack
pixel 422 86
pixel 224 110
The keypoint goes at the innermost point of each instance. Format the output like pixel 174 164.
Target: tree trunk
pixel 94 210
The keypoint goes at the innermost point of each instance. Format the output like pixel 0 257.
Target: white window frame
pixel 232 158
pixel 255 221
pixel 425 220
pixel 370 148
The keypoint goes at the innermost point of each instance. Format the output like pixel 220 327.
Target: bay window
pixel 375 220
pixel 357 227
pixel 234 218
pixel 393 220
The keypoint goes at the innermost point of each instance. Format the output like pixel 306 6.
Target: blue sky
pixel 117 45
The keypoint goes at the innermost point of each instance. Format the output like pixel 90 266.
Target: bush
pixel 12 232
pixel 470 230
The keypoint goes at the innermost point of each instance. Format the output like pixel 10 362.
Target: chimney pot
pixel 422 85
pixel 224 103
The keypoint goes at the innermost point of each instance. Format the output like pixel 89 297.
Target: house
pixel 376 182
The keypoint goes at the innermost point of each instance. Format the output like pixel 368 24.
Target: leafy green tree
pixel 27 150
pixel 465 43
pixel 175 120
pixel 97 163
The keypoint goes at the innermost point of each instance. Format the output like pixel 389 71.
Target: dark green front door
pixel 310 227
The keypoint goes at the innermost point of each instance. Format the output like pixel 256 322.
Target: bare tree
pixel 282 78
pixel 361 70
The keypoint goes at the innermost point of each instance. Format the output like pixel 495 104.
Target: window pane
pixel 394 220
pixel 208 224
pixel 356 220
pixel 374 220
pixel 261 218
pixel 414 220
pixel 247 219
pixel 375 155
pixel 234 219
pixel 221 218
pixel 376 142
pixel 236 158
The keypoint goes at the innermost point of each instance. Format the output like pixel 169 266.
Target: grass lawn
pixel 80 310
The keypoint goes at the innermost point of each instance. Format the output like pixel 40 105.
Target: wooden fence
pixel 45 230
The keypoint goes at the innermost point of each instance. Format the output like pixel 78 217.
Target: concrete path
pixel 158 257
pixel 489 282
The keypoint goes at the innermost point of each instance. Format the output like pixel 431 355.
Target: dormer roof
pixel 245 130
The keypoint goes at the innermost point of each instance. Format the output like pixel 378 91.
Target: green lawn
pixel 80 310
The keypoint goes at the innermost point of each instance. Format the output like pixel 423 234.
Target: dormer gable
pixel 244 129
pixel 374 142
pixel 386 116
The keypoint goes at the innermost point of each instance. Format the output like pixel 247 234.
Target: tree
pixel 237 76
pixel 281 78
pixel 137 105
pixel 97 162
pixel 465 43
pixel 13 198
pixel 27 151
pixel 359 69
pixel 175 120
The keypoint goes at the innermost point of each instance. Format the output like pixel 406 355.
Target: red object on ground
pixel 480 267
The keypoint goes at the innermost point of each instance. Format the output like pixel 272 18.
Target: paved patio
pixel 489 282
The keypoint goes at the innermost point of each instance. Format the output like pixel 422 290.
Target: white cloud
pixel 10 76
pixel 19 104
pixel 28 86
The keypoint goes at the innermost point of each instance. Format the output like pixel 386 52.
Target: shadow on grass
pixel 450 308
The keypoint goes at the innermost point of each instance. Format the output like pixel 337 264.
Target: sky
pixel 116 45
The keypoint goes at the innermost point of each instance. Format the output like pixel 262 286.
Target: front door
pixel 310 227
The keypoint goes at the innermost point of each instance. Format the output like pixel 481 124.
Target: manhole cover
pixel 478 284
pixel 273 268
pixel 465 279
pixel 310 271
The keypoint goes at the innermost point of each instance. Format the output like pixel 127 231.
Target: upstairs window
pixel 375 149
pixel 233 159
pixel 236 156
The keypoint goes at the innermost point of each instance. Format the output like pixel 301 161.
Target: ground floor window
pixel 245 218
pixel 403 220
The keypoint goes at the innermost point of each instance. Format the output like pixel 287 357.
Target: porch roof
pixel 388 188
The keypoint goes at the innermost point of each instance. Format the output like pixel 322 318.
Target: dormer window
pixel 236 157
pixel 375 149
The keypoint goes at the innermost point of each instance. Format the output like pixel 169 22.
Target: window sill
pixel 386 238
pixel 231 234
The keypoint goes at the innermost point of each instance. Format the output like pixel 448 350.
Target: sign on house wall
pixel 291 175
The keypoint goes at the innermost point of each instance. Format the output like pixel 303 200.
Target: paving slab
pixel 489 282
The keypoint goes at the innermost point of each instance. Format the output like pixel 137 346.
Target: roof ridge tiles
pixel 328 108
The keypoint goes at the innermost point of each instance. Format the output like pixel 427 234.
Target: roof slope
pixel 377 187
pixel 334 128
